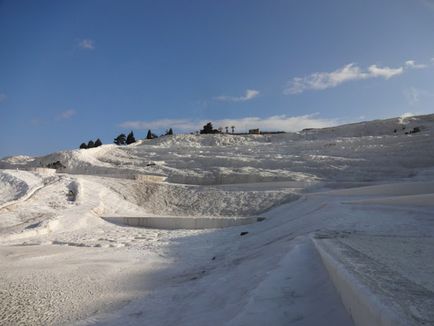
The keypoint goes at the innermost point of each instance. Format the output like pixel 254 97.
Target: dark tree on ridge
pixel 130 138
pixel 169 132
pixel 208 129
pixel 120 140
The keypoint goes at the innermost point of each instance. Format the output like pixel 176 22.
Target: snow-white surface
pixel 381 279
pixel 16 184
pixel 365 308
pixel 183 222
pixel 363 186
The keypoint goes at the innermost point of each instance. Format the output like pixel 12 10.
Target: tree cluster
pixel 125 140
pixel 91 144
pixel 55 165
pixel 169 132
pixel 208 129
pixel 151 135
pixel 129 139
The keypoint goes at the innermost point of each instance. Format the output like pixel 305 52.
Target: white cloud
pixel 415 95
pixel 249 94
pixel 3 97
pixel 350 72
pixel 428 3
pixel 405 117
pixel 412 95
pixel 178 124
pixel 324 80
pixel 86 44
pixel 385 72
pixel 67 114
pixel 36 122
pixel 414 65
pixel 272 123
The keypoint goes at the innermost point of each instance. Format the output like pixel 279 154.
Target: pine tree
pixel 98 143
pixel 208 129
pixel 90 144
pixel 149 135
pixel 130 138
pixel 169 132
pixel 120 140
pixel 83 146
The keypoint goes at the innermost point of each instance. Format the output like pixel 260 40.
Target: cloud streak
pixel 428 3
pixel 350 72
pixel 413 65
pixel 272 123
pixel 248 95
pixel 86 44
pixel 65 115
pixel 415 95
pixel 3 97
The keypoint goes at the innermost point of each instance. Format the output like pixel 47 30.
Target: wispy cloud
pixel 349 72
pixel 3 97
pixel 86 44
pixel 179 124
pixel 405 117
pixel 65 115
pixel 36 122
pixel 428 3
pixel 412 64
pixel 414 95
pixel 385 72
pixel 277 122
pixel 248 95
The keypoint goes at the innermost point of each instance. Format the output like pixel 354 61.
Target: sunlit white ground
pixel 363 191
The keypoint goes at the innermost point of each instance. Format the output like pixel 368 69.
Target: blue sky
pixel 71 71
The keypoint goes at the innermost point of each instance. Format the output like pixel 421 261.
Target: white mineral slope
pixel 380 279
pixel 416 194
pixel 39 232
pixel 350 155
pixel 58 285
pixel 62 263
pixel 16 184
pixel 269 273
pixel 385 275
pixel 397 126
